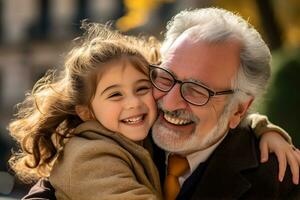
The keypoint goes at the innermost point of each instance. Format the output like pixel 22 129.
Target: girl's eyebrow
pixel 118 85
pixel 109 88
pixel 143 80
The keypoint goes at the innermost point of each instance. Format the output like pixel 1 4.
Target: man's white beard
pixel 196 141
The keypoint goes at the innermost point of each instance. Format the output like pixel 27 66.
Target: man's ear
pixel 239 113
pixel 84 112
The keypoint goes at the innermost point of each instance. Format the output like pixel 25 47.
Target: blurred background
pixel 35 34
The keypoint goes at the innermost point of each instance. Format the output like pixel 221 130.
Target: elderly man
pixel 213 66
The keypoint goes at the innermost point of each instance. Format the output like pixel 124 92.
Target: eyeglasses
pixel 192 92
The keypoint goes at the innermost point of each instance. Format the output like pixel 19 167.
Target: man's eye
pixel 165 81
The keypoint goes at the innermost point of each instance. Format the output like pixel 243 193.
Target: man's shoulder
pixel 264 176
pixel 237 161
pixel 264 180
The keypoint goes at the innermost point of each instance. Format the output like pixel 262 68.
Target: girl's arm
pixel 275 140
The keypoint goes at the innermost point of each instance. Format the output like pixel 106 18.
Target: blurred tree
pixel 278 21
pixel 270 23
pixel 40 30
pixel 289 18
pixel 81 14
pixel 137 13
pixel 1 20
pixel 283 98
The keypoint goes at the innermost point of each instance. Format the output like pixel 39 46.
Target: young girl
pixel 103 101
pixel 85 129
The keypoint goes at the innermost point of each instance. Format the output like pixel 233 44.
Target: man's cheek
pixel 157 94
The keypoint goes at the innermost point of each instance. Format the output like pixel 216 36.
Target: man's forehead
pixel 180 51
pixel 194 59
pixel 185 41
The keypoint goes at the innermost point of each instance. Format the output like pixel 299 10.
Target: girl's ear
pixel 84 112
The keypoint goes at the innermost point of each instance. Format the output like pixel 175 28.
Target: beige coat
pixel 99 164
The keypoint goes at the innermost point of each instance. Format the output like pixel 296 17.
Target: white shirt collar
pixel 194 159
pixel 198 157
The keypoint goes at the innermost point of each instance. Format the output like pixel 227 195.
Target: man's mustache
pixel 179 113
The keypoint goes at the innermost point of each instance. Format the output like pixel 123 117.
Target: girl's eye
pixel 143 89
pixel 115 96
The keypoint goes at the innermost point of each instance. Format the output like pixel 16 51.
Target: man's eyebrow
pixel 188 79
pixel 170 71
pixel 110 88
pixel 197 81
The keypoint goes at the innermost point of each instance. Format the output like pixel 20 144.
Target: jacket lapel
pixel 222 178
pixel 190 184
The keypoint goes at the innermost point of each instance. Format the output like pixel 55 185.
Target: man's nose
pixel 173 100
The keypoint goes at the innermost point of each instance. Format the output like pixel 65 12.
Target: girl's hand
pixel 272 142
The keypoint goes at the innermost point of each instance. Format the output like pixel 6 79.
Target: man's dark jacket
pixel 233 171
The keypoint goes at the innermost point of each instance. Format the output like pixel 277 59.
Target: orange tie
pixel 177 166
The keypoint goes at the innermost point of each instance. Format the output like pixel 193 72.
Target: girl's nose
pixel 132 102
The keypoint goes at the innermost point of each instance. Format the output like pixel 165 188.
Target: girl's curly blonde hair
pixel 47 117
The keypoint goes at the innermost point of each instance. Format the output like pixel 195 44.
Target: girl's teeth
pixel 133 120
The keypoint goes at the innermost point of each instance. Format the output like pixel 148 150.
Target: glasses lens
pixel 161 79
pixel 194 93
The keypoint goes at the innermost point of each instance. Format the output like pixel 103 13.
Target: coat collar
pixel 93 130
pixel 222 177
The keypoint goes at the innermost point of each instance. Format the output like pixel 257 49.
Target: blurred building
pixel 34 34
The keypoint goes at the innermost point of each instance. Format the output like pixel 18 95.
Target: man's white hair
pixel 216 25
